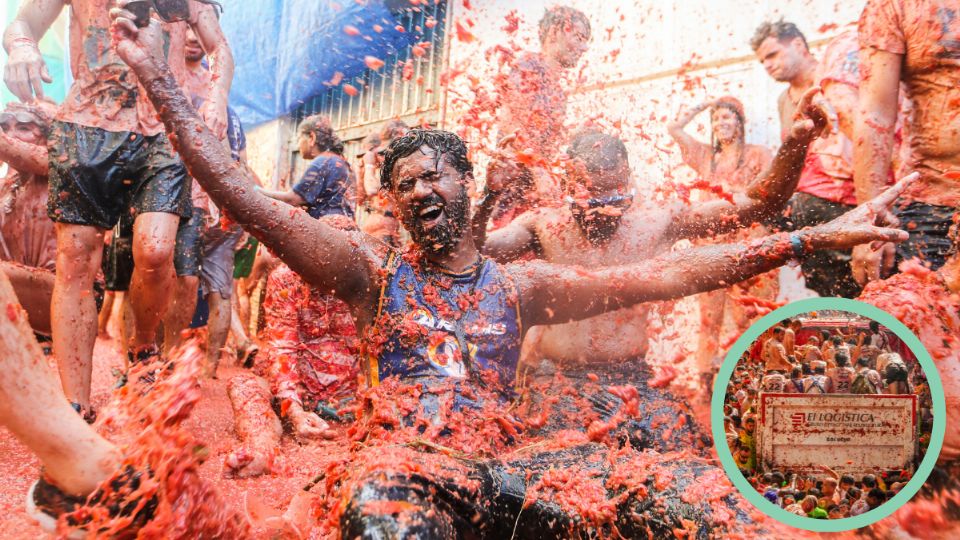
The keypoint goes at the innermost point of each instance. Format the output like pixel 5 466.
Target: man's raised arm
pixel 874 140
pixel 552 294
pixel 326 257
pixel 23 156
pixel 220 57
pixel 769 192
pixel 26 71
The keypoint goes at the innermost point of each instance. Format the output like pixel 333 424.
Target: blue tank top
pixel 426 317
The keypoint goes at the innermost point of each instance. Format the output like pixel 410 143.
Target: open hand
pixel 864 224
pixel 26 71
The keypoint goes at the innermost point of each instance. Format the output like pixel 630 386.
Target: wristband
pixel 23 41
pixel 799 250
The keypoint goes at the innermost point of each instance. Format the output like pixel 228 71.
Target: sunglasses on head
pixel 21 117
pixel 618 200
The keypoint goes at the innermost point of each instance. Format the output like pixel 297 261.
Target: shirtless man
pixel 825 189
pixel 104 118
pixel 775 358
pixel 790 336
pixel 448 320
pixel 533 105
pixel 605 225
pixel 915 42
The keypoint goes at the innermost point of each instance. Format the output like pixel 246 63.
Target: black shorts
pixel 117 262
pixel 667 423
pixel 827 271
pixel 928 225
pixel 97 176
pixel 490 499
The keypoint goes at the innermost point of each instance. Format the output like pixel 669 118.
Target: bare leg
pixel 236 326
pixel 126 324
pixel 151 287
pixel 181 311
pixel 105 312
pixel 218 326
pixel 34 288
pixel 73 309
pixel 257 427
pixel 34 409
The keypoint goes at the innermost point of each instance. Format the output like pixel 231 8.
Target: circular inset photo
pixel 828 414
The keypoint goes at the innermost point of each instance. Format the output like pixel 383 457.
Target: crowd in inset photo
pixel 838 357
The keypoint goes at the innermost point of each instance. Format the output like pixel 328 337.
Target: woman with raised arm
pixel 724 165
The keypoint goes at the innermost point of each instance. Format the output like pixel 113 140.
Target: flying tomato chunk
pixel 373 62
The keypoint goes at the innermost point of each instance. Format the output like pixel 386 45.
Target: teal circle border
pixel 922 472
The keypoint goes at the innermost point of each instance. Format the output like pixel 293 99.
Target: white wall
pixel 640 86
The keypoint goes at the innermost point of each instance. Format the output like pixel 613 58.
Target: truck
pixel 845 432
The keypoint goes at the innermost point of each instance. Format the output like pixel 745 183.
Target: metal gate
pixel 386 93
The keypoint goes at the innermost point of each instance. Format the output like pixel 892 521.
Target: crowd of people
pixel 838 361
pixel 486 347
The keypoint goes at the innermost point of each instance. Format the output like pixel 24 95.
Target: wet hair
pixel 837 340
pixel 877 493
pixel 557 16
pixel 796 373
pixel 842 359
pixel 805 368
pixel 846 479
pixel 895 373
pixel 446 144
pixel 327 139
pixel 874 326
pixel 598 151
pixel 869 481
pixel 777 329
pixel 782 30
pixel 863 361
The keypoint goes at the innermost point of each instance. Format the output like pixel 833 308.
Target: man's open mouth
pixel 430 215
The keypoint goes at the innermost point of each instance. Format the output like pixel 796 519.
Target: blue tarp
pixel 285 50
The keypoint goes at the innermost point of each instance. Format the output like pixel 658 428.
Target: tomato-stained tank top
pixel 427 317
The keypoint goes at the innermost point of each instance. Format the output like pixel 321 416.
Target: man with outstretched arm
pixel 442 316
pixel 604 223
